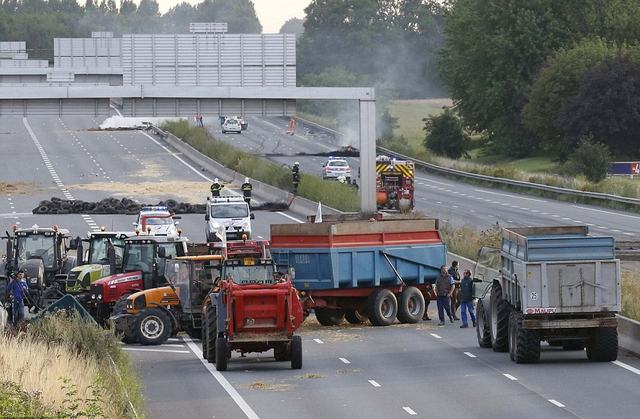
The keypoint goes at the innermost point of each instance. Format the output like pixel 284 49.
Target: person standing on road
pixel 216 187
pixel 295 173
pixel 444 288
pixel 466 299
pixel 16 291
pixel 246 191
pixel 455 297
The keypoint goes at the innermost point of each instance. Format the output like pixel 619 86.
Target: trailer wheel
pixel 603 346
pixel 482 326
pixel 282 354
pixel 512 336
pixel 152 326
pixel 209 338
pixel 382 307
pixel 296 353
pixel 499 320
pixel 526 343
pixel 329 316
pixel 411 305
pixel 221 354
pixel 355 316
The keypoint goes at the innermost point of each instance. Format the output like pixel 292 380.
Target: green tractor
pixel 103 258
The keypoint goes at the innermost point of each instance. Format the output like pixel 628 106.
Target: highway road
pixel 349 371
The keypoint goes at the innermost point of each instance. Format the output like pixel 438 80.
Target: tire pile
pixel 111 206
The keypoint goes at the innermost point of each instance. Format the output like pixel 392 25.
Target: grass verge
pixel 331 193
pixel 62 365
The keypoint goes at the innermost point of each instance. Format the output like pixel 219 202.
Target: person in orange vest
pixel 292 127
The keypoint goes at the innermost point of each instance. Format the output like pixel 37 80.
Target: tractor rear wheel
pixel 603 346
pixel 50 296
pixel 482 326
pixel 120 307
pixel 152 326
pixel 296 353
pixel 221 354
pixel 382 307
pixel 499 325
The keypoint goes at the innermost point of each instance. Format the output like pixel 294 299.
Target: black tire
pixel 209 341
pixel 483 331
pixel 204 341
pixel 499 324
pixel 222 350
pixel 329 316
pixel 573 344
pixel 50 296
pixel 512 336
pixel 411 306
pixel 355 317
pixel 526 343
pixel 43 209
pixel 3 289
pixel 382 307
pixel 194 333
pixel 152 326
pixel 282 354
pixel 296 353
pixel 603 345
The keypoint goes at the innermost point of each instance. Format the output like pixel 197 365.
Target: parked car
pixel 335 168
pixel 159 219
pixel 231 125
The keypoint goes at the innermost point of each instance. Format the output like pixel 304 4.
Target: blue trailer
pixel 359 269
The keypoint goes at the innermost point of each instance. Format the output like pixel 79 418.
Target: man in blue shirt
pixel 16 290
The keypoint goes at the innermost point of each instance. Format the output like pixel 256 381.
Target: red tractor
pixel 254 308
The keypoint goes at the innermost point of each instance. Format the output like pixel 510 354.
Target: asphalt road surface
pixel 349 371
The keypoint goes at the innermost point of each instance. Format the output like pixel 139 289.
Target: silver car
pixel 231 125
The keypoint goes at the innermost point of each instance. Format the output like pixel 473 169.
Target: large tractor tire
pixel 382 307
pixel 3 288
pixel 525 343
pixel 355 316
pixel 209 338
pixel 152 326
pixel 499 320
pixel 512 335
pixel 483 331
pixel 120 307
pixel 193 332
pixel 222 354
pixel 50 296
pixel 603 345
pixel 296 353
pixel 329 316
pixel 411 305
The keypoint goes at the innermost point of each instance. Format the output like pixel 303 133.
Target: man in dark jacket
pixel 466 299
pixel 455 297
pixel 444 288
pixel 246 190
pixel 216 187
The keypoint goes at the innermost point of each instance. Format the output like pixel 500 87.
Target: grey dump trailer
pixel 553 284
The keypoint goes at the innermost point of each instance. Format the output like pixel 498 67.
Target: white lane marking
pixel 510 196
pixel 629 234
pixel 436 336
pixel 374 383
pixel 435 181
pixel 469 354
pixel 136 349
pixel 607 212
pixel 318 341
pixel 557 403
pixel 289 217
pixel 345 360
pixel 242 404
pixel 409 411
pixel 626 367
pixel 510 377
pixel 15 214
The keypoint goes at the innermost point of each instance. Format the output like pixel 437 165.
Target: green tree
pixel 495 48
pixel 239 14
pixel 127 7
pixel 446 135
pixel 606 107
pixel 558 81
pixel 591 159
pixel 293 25
pixel 177 19
pixel 149 8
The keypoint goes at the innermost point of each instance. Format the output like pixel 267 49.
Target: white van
pixel 232 212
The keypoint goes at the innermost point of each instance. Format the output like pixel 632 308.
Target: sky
pixel 272 13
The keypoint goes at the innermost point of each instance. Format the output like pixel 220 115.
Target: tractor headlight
pixel 140 302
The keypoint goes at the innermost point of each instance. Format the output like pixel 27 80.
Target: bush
pixel 446 135
pixel 591 159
